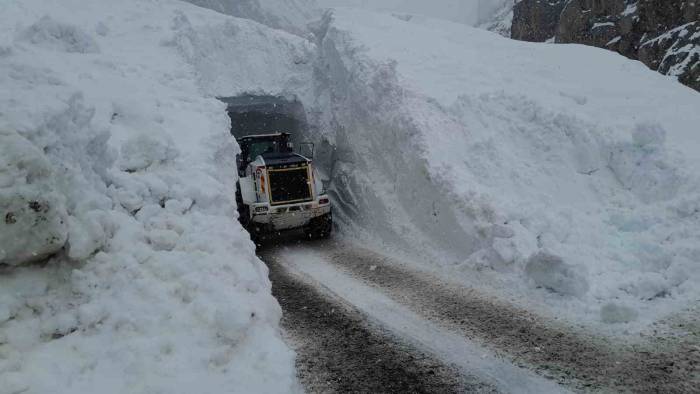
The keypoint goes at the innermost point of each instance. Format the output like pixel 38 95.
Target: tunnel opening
pixel 262 114
pixel 269 197
pixel 266 114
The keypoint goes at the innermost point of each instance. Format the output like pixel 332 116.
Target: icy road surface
pixel 360 321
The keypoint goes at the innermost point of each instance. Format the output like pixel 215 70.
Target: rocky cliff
pixel 663 34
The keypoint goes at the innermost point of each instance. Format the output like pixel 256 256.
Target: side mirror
pixel 306 149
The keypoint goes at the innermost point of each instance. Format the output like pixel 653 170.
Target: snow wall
pixel 122 265
pixel 560 178
pixel 289 15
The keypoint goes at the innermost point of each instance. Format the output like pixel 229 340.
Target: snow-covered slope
pixel 563 177
pixel 289 15
pixel 470 12
pixel 500 17
pixel 117 163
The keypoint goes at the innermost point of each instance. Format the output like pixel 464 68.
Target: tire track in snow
pixel 580 361
pixel 338 351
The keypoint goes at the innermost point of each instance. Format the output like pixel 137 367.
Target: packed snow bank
pixel 34 215
pixel 563 177
pixel 276 63
pixel 122 265
pixel 500 17
pixel 289 15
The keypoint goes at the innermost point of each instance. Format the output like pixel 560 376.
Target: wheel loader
pixel 279 189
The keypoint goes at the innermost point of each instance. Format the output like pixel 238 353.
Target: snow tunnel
pixel 253 114
pixel 259 114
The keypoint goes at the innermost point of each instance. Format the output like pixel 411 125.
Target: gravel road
pixel 340 351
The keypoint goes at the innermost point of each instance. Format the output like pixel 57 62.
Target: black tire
pixel 320 227
pixel 258 238
pixel 259 233
pixel 243 210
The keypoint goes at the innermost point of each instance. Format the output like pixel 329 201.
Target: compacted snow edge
pixel 124 268
pixel 562 178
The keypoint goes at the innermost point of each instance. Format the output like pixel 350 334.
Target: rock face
pixel 663 34
pixel 536 20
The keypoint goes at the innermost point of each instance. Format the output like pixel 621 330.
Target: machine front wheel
pixel 320 227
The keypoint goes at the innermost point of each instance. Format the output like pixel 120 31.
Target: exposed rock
pixel 676 52
pixel 663 34
pixel 589 22
pixel 536 20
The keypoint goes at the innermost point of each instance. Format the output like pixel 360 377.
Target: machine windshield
pixel 259 147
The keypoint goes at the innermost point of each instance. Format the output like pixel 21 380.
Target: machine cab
pixel 256 145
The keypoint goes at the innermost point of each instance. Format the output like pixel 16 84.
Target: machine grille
pixel 289 185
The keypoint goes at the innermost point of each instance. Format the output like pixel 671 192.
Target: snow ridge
pixel 116 175
pixel 504 165
pixel 289 15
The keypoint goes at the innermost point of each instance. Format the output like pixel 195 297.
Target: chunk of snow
pixel 163 239
pixel 32 213
pixel 144 150
pixel 614 41
pixel 51 34
pixel 86 234
pixel 602 24
pixel 551 272
pixel 642 167
pixel 649 137
pixel 630 9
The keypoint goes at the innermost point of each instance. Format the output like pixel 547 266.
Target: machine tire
pixel 243 209
pixel 240 207
pixel 320 227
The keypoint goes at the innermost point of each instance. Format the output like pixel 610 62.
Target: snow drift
pixel 289 15
pixel 123 266
pixel 562 177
